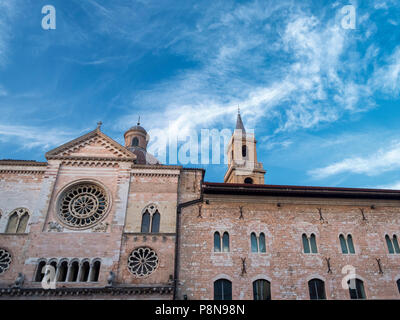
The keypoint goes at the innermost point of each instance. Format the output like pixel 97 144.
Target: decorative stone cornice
pixel 11 162
pixel 59 292
pixel 22 166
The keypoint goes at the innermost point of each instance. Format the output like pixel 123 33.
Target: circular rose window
pixel 142 262
pixel 83 205
pixel 5 260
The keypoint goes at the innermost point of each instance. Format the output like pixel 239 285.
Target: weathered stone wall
pixel 284 264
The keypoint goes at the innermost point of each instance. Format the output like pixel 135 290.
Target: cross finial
pixel 138 122
pixel 99 125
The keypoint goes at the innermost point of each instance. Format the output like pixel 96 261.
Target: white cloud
pixel 385 159
pixel 393 186
pixel 32 137
pixel 387 78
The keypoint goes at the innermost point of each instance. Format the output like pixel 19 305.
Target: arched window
pixel 398 285
pixel 39 275
pixel 261 290
pixel 12 223
pixel 18 221
pixel 316 288
pixel 262 243
pixel 313 243
pixel 306 243
pixel 350 244
pixel 23 222
pixel 145 222
pixel 62 271
pixel 95 271
pixel 151 219
pixel 54 265
pixel 155 222
pixel 389 244
pixel 73 271
pixel 396 244
pixel 222 289
pixel 356 289
pixel 225 242
pixel 244 151
pixel 254 246
pixel 343 244
pixel 217 242
pixel 248 181
pixel 85 268
pixel 135 142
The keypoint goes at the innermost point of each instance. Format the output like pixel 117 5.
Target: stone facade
pixel 111 252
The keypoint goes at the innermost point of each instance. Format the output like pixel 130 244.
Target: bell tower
pixel 242 157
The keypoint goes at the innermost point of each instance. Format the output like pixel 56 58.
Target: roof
pixel 298 191
pixel 137 128
pixel 55 153
pixel 239 123
pixel 6 162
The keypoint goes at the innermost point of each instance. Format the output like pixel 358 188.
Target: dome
pixel 137 128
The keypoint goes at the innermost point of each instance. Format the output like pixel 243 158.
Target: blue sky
pixel 323 100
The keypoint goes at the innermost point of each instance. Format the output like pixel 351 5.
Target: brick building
pixel 100 220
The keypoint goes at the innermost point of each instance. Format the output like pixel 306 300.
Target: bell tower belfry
pixel 242 157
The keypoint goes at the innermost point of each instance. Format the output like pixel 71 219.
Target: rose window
pixel 5 260
pixel 142 262
pixel 83 205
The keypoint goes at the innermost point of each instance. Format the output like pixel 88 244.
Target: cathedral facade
pixel 99 220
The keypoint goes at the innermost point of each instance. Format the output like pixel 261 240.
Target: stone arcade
pixel 114 223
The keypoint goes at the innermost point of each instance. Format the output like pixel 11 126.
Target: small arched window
pixel 356 289
pixel 313 243
pixel 222 289
pixel 62 271
pixel 244 151
pixel 217 242
pixel 12 223
pixel 254 245
pixel 135 142
pixel 225 242
pixel 95 271
pixel 39 271
pixel 262 243
pixel 73 271
pixel 343 244
pixel 18 221
pixel 350 244
pixel 248 181
pixel 316 288
pixel 155 222
pixel 306 243
pixel 389 244
pixel 396 244
pixel 261 290
pixel 85 268
pixel 145 222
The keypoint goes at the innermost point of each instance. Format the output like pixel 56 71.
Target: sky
pixel 323 99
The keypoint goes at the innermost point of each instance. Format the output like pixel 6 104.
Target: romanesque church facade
pixel 99 220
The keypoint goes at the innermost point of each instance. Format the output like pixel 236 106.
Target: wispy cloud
pixel 34 137
pixel 7 12
pixel 385 159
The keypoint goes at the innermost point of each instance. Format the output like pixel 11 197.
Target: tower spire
pixel 239 122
